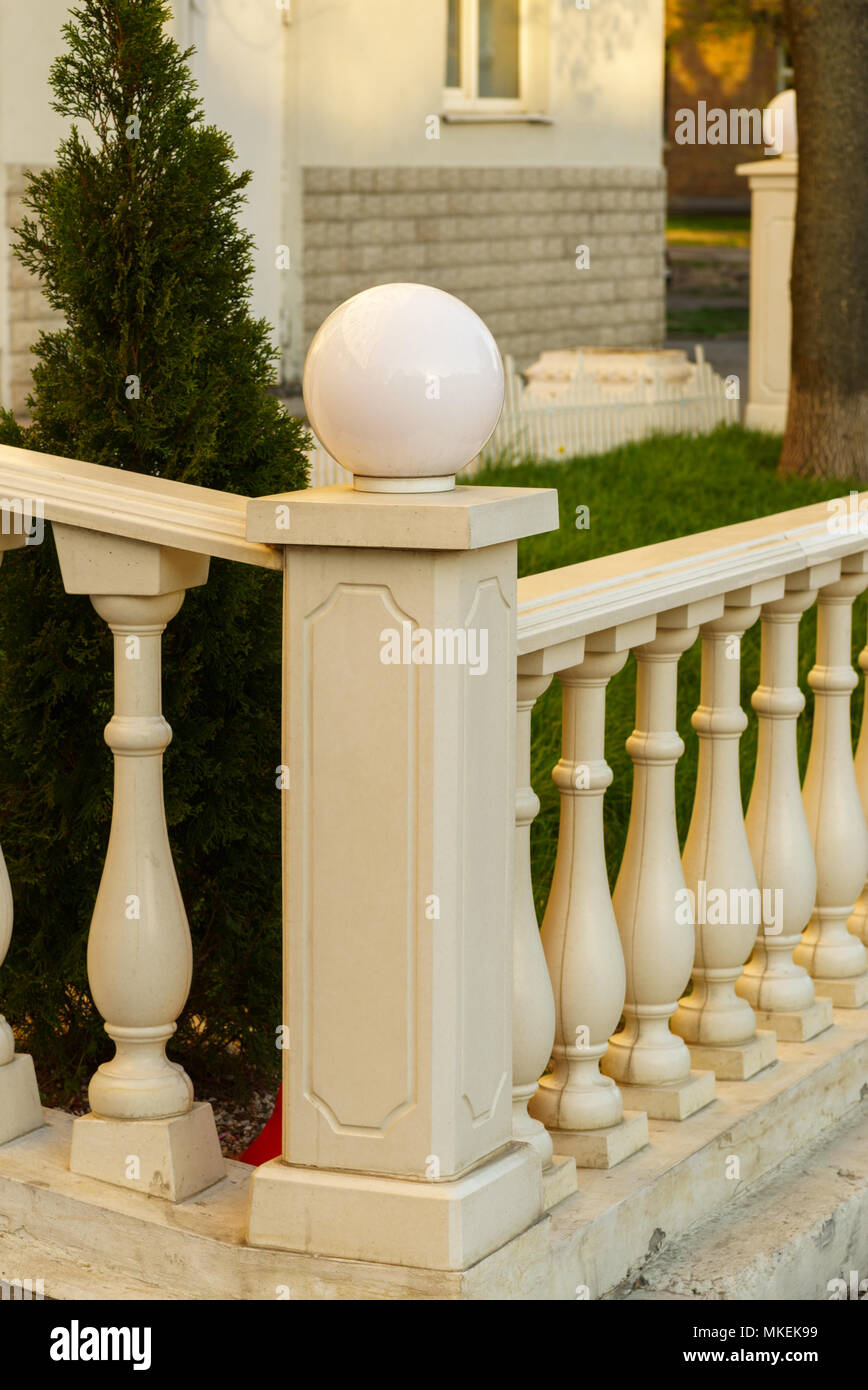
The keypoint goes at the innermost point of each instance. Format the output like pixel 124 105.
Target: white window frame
pixel 466 97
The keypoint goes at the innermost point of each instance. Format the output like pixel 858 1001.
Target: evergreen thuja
pixel 161 368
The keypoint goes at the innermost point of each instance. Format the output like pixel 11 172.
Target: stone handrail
pixel 135 505
pixel 575 600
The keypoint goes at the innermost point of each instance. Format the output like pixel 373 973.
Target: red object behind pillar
pixel 269 1144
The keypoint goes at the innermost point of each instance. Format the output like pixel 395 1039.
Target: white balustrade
pixel 858 921
pixel 780 991
pixel 582 1108
pixel 650 898
pixel 835 957
pixel 144 1131
pixel 420 1126
pixel 20 1110
pixel 719 1026
pixel 533 1004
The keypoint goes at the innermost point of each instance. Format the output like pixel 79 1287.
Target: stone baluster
pixel 651 904
pixel 858 921
pixel 582 1108
pixel 20 1108
pixel 718 1025
pixel 836 958
pixel 780 991
pixel 533 1005
pixel 144 1132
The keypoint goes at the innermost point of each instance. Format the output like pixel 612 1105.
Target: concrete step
pixel 89 1239
pixel 624 1216
pixel 787 1236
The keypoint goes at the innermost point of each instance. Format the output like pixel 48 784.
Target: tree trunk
pixel 827 423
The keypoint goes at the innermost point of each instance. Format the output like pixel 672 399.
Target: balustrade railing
pixel 450 1065
pixel 771 932
pixel 438 1018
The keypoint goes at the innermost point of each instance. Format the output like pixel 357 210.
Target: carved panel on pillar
pixel 359 892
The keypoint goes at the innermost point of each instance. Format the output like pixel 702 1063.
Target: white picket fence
pixel 588 418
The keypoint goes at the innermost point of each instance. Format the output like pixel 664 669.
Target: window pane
pixel 453 44
pixel 498 48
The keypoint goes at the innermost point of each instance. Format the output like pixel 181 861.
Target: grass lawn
pixel 638 494
pixel 708 231
pixel 708 321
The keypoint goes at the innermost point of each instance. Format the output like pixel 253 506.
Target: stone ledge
pixel 120 1244
pixel 786 1237
pixel 618 1217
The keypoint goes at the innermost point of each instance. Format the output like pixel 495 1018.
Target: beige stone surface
pixel 579 933
pixel 399 820
pixel 465 518
pixel 596 595
pixel 737 1061
pixel 844 994
pixel 119 505
pixel 559 1180
pixel 603 1148
pixel 20 1108
pixel 428 1225
pixel 671 1100
pixel 93 1240
pixel 797 1025
pixel 533 1002
pixel 795 1235
pixel 173 1159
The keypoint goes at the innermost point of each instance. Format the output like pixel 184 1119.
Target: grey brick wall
pixel 504 240
pixel 27 309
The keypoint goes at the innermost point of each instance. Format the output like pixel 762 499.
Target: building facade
pixel 508 151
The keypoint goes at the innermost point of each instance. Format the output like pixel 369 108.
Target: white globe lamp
pixel 403 385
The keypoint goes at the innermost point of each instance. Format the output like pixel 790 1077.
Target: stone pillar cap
pixel 466 518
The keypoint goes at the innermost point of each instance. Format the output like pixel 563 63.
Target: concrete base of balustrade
pixel 844 994
pixel 738 1062
pixel 603 1148
pixel 795 1235
pixel 93 1240
pixel 446 1225
pixel 797 1025
pixel 174 1159
pixel 559 1181
pixel 20 1108
pixel 675 1100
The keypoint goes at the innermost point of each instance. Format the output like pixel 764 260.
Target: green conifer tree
pixel 161 368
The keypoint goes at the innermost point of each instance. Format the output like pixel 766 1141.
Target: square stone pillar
pixel 399 823
pixel 773 184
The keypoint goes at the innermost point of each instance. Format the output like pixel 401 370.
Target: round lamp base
pixel 443 484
